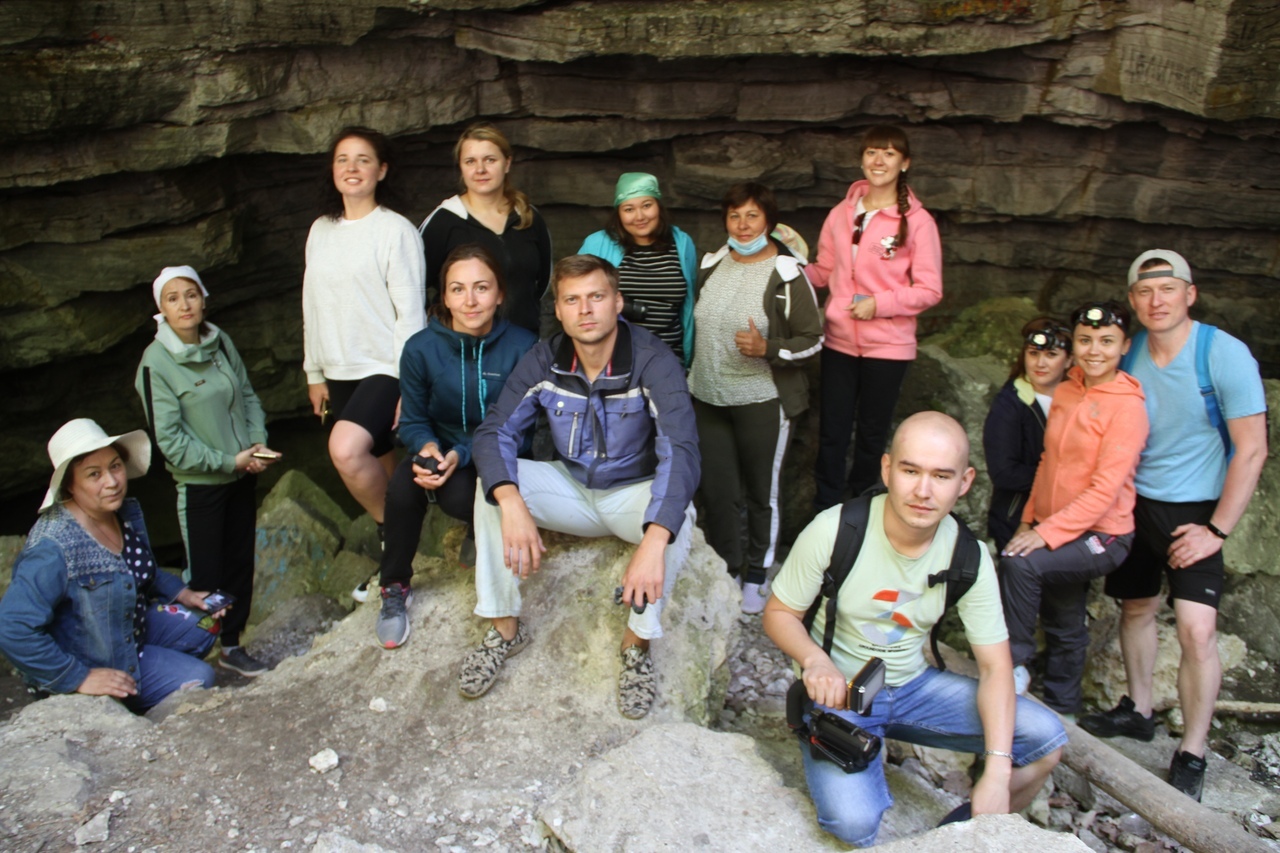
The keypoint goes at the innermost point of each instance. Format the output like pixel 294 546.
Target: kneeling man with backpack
pixel 891 559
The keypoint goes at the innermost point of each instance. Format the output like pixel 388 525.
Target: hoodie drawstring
pixel 481 385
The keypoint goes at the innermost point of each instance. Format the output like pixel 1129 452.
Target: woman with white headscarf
pixel 210 427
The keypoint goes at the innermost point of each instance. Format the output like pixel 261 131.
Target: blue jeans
pixel 170 655
pixel 938 709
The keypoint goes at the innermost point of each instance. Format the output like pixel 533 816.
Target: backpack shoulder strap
pixel 960 576
pixel 151 414
pixel 853 529
pixel 1126 360
pixel 146 390
pixel 1204 341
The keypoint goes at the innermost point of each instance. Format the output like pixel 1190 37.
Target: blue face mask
pixel 749 248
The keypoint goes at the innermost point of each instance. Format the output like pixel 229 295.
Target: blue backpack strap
pixel 1126 360
pixel 1204 340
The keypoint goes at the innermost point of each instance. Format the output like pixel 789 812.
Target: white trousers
pixel 559 502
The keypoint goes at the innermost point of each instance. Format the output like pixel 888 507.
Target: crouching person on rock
pixel 87 610
pixel 450 374
pixel 626 465
pixel 885 609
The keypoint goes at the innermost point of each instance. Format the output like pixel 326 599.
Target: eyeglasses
pixel 1055 337
pixel 857 227
pixel 1098 315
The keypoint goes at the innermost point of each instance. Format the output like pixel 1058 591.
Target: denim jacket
pixel 70 605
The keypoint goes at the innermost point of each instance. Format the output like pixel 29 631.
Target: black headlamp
pixel 1055 337
pixel 1097 315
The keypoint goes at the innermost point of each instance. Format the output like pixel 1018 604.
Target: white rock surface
pixel 324 760
pixel 96 831
pixel 681 787
pixel 989 834
pixel 333 842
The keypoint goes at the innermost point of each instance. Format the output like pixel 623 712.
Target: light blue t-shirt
pixel 1184 459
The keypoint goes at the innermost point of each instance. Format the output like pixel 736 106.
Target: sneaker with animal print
pixel 637 685
pixel 481 665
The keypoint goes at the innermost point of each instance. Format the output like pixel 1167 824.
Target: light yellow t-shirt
pixel 886 607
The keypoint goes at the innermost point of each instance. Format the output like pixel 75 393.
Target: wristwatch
pixel 1213 528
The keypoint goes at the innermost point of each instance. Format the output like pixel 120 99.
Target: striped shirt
pixel 654 280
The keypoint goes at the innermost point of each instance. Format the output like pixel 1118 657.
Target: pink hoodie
pixel 904 285
pixel 1092 442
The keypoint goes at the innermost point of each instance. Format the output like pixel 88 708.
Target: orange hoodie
pixel 1091 446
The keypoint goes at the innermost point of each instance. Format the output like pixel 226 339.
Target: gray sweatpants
pixel 1054 585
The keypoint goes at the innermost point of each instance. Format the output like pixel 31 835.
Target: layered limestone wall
pixel 1053 141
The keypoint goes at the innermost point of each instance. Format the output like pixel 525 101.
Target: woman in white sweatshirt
pixel 362 297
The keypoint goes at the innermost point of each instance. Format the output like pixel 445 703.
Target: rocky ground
pixel 298 813
pixel 761 674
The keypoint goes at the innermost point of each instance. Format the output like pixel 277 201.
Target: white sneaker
pixel 754 597
pixel 1021 679
pixel 361 593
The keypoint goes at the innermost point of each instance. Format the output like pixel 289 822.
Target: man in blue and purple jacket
pixel 626 465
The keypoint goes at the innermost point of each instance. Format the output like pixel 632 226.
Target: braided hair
pixel 892 136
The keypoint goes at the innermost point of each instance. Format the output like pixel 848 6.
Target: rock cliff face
pixel 1053 140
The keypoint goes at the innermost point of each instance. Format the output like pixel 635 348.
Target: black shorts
pixel 370 403
pixel 1139 576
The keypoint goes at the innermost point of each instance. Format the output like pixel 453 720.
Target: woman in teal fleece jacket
pixel 451 373
pixel 210 428
pixel 657 263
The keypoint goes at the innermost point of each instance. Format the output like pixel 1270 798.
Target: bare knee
pixel 1199 642
pixel 1139 611
pixel 1197 630
pixel 349 446
pixel 1044 766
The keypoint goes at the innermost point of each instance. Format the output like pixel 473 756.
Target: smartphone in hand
pixel 218 600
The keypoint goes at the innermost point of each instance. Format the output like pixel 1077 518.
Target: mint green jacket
pixel 199 404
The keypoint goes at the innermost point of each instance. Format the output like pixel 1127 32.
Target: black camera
pixel 638 604
pixel 430 463
pixel 635 310
pixel 830 737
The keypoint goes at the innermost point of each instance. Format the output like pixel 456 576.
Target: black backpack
pixel 959 576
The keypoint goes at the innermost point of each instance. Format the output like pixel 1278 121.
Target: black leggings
pixel 742 451
pixel 220 526
pixel 407 504
pixel 854 386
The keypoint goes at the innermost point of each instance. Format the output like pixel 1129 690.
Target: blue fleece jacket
pixel 449 381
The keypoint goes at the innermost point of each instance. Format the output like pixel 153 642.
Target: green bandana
pixel 634 185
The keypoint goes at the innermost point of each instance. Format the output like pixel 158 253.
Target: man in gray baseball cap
pixel 1207 444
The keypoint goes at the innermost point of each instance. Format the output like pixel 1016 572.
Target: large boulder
pixel 1255 541
pixel 989 834
pixel 1251 609
pixel 415 761
pixel 650 793
pixel 55 754
pixel 300 531
pixel 10 548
